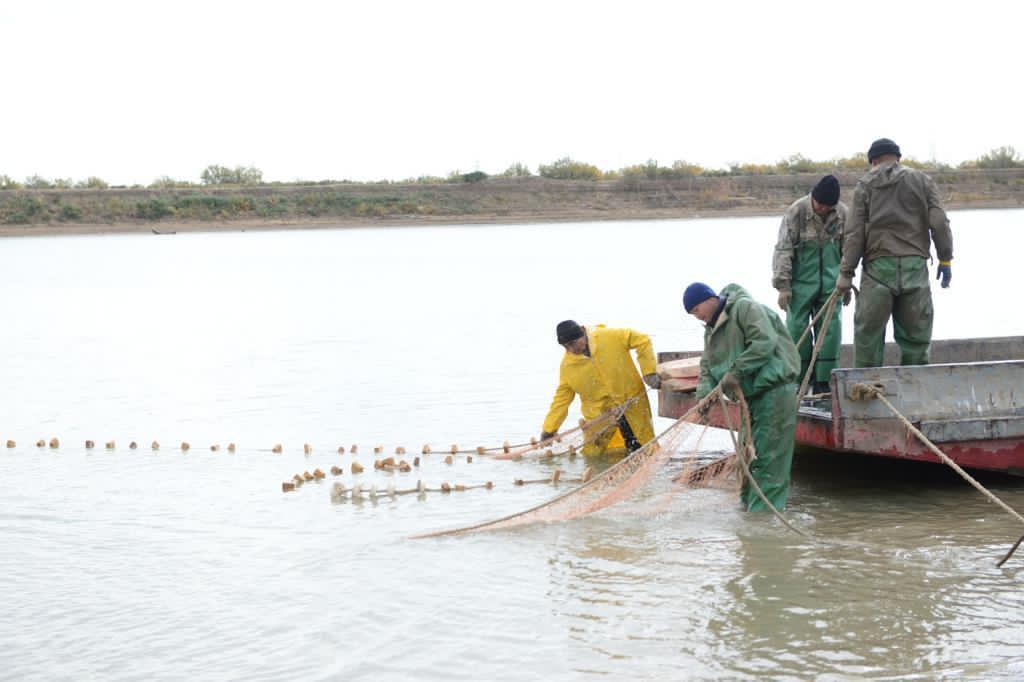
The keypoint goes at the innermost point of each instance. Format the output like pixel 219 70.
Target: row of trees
pixel 562 169
pixel 211 176
pixel 39 182
pixel 568 169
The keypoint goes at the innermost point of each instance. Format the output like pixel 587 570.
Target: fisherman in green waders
pixel 895 217
pixel 746 346
pixel 804 271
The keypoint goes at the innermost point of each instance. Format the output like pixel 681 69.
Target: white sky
pixel 130 91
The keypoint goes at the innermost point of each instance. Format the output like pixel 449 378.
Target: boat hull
pixel 973 410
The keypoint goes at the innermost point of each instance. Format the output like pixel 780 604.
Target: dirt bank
pixel 492 201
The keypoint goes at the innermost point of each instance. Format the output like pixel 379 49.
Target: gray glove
pixel 785 298
pixel 844 285
pixel 652 380
pixel 544 435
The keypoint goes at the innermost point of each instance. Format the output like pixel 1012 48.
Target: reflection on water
pixel 138 564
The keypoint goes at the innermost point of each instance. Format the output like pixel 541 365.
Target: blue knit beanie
pixel 695 294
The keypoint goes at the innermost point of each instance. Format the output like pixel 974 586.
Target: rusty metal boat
pixel 969 402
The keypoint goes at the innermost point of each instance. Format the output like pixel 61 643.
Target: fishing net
pixel 622 480
pixel 571 441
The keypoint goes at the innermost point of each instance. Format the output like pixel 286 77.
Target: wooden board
pixel 687 368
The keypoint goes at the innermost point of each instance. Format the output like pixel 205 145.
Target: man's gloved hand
pixel 730 385
pixel 945 273
pixel 844 285
pixel 545 435
pixel 785 298
pixel 652 380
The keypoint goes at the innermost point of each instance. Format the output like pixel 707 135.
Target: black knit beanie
pixel 881 147
pixel 826 191
pixel 568 331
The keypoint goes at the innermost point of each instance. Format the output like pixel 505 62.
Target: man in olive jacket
pixel 895 217
pixel 747 346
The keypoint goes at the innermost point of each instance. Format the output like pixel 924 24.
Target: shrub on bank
pixel 153 209
pixel 239 175
pixel 567 169
pixel 475 176
pixel 69 213
pixel 517 170
pixel 21 210
pixel 167 182
pixel 1001 157
pixel 653 171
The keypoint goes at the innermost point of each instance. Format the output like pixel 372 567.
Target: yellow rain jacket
pixel 604 380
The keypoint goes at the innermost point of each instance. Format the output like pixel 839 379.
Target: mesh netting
pixel 622 480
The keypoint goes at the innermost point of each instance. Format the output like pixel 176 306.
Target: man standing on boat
pixel 805 268
pixel 598 367
pixel 896 216
pixel 748 348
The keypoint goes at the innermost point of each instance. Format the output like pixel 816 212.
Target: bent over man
pixel 896 216
pixel 598 367
pixel 805 268
pixel 747 347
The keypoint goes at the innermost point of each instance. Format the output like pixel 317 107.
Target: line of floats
pixel 185 446
pixel 339 491
pixel 388 464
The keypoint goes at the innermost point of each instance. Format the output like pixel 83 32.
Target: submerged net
pixel 623 479
pixel 723 473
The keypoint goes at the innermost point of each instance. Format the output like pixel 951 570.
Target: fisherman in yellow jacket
pixel 598 367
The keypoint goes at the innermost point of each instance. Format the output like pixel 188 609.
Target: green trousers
pixel 805 305
pixel 773 420
pixel 897 287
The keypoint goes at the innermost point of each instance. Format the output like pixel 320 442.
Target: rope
pixel 748 447
pixel 830 307
pixel 867 391
pixel 803 337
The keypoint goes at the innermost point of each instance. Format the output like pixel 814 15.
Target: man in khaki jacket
pixel 804 270
pixel 895 218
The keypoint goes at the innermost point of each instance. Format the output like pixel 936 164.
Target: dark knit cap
pixel 826 191
pixel 568 331
pixel 695 294
pixel 881 147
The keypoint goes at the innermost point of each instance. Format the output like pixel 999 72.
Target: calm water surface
pixel 130 564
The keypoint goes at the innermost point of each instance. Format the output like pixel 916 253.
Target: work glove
pixel 730 385
pixel 652 380
pixel 844 286
pixel 545 435
pixel 945 273
pixel 785 298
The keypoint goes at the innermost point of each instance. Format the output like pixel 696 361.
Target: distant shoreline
pixel 491 202
pixel 175 227
pixel 244 225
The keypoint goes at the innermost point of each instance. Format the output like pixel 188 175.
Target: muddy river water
pixel 135 564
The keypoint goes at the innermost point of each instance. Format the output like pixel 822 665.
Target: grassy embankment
pixel 490 200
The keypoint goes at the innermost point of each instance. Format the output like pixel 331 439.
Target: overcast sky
pixel 130 91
